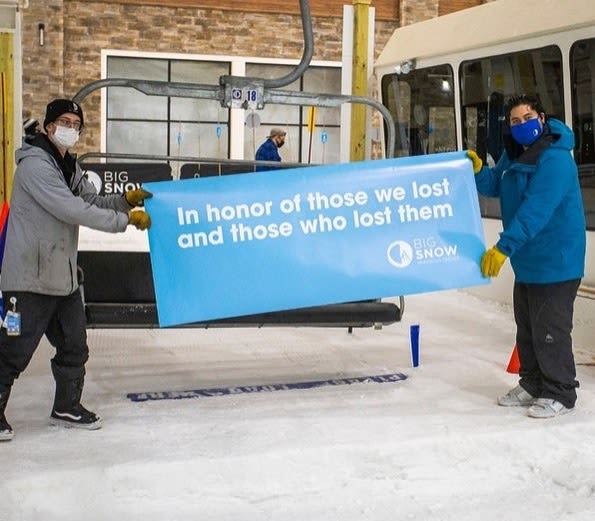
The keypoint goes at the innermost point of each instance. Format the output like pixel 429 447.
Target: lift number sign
pixel 246 98
pixel 240 96
pixel 252 95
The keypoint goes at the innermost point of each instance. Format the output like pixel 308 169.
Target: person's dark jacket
pixel 268 151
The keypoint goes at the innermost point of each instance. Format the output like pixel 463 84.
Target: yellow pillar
pixel 6 115
pixel 359 78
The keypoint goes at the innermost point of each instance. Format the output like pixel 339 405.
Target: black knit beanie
pixel 61 106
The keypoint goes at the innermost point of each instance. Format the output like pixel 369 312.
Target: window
pixel 582 72
pixel 159 125
pixel 301 146
pixel 422 105
pixel 487 83
pixel 194 127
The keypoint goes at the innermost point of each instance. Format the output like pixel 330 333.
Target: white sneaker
pixel 6 432
pixel 516 397
pixel 547 408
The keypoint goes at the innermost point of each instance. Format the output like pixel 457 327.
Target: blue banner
pixel 269 241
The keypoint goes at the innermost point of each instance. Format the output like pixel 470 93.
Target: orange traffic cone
pixel 514 364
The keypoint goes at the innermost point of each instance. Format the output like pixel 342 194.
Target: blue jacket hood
pixel 563 136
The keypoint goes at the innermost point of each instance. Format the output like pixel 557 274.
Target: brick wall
pixel 43 70
pixel 413 11
pixel 385 9
pixel 456 5
pixel 77 31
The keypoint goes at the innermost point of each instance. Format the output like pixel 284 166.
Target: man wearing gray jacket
pixel 51 198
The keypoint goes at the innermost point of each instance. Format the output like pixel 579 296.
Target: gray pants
pixel 61 319
pixel 543 315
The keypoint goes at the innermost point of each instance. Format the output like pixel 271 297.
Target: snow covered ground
pixel 432 447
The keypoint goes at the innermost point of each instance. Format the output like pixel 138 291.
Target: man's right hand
pixel 492 261
pixel 139 219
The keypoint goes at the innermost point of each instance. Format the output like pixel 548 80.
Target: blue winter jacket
pixel 267 152
pixel 542 209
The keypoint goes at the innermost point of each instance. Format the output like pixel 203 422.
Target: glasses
pixel 63 122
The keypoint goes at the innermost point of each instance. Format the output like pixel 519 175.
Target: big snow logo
pixel 400 254
pixel 422 250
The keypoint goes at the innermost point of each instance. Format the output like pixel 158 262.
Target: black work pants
pixel 543 315
pixel 60 318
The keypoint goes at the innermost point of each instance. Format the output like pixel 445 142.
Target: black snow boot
pixel 6 432
pixel 67 410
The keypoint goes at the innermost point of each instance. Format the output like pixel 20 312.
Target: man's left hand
pixel 137 197
pixel 139 219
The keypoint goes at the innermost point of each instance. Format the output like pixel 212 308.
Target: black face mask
pixel 280 144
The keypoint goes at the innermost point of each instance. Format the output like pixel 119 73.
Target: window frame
pixel 236 120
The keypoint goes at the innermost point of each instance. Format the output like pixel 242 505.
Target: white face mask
pixel 65 137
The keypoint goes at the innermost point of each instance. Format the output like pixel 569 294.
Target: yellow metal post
pixel 311 127
pixel 359 78
pixel 6 115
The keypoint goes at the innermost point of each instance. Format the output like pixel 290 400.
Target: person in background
pixel 50 199
pixel 268 151
pixel 31 127
pixel 544 236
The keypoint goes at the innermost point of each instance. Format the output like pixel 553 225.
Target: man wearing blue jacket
pixel 544 237
pixel 268 151
pixel 51 198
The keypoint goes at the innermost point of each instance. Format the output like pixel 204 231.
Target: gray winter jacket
pixel 40 255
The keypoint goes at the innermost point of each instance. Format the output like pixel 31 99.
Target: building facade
pixel 57 47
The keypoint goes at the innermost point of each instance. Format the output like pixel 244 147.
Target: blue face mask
pixel 527 133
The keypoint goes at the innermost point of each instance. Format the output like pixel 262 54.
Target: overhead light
pixel 445 86
pixel 405 67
